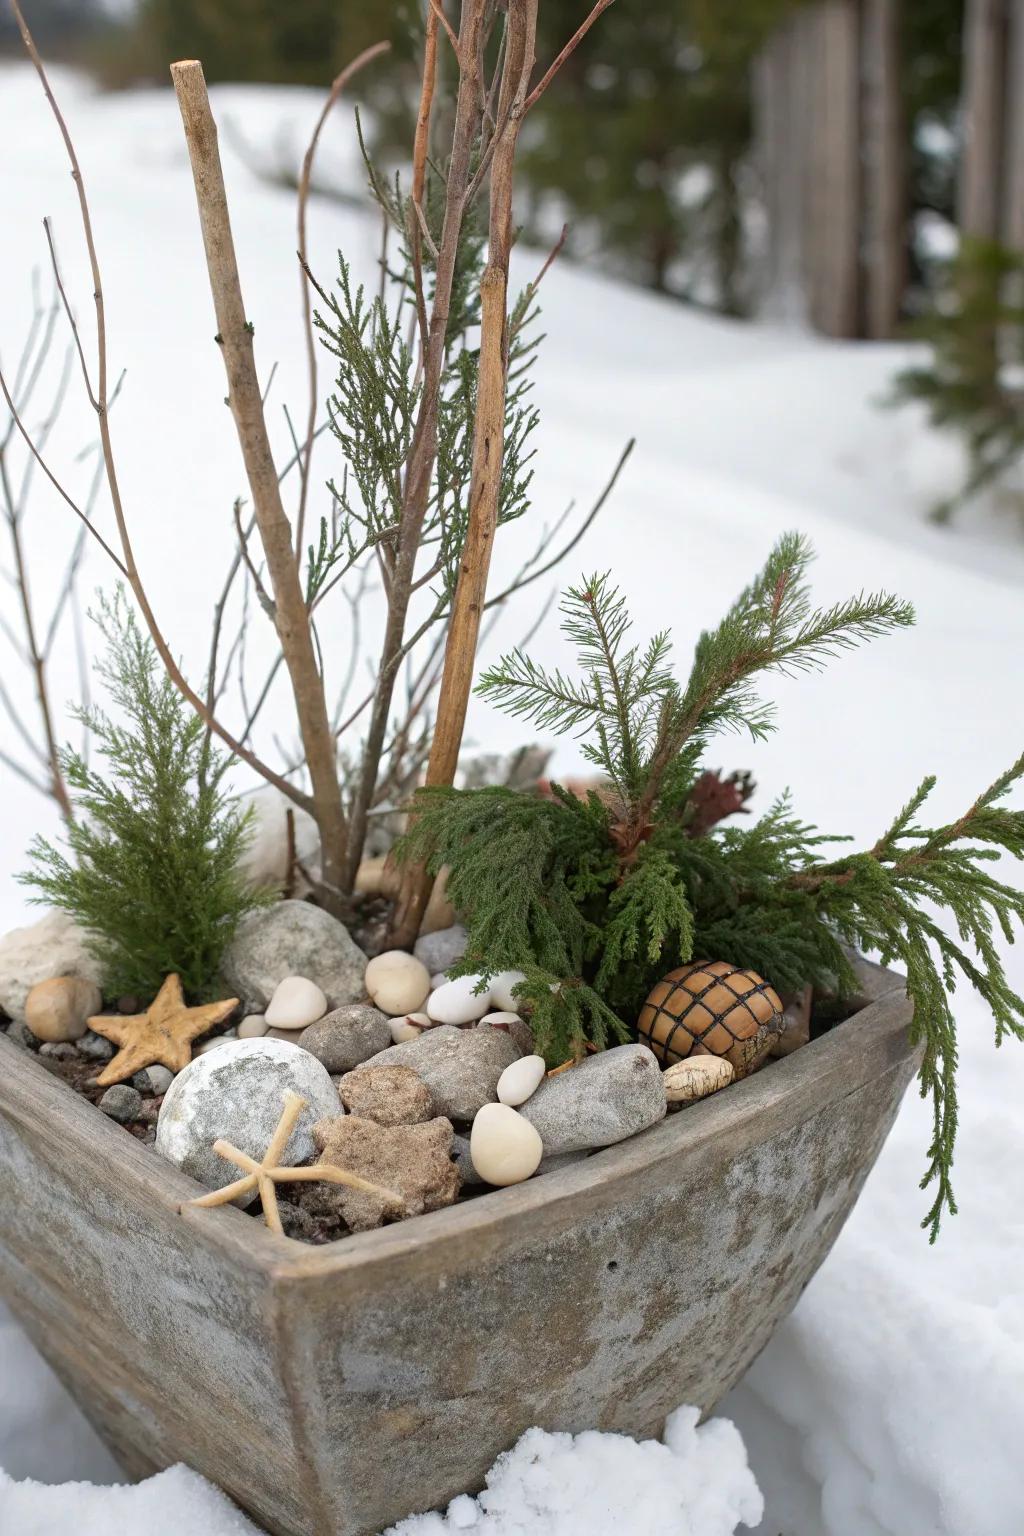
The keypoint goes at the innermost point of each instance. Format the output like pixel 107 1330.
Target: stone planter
pixel 333 1390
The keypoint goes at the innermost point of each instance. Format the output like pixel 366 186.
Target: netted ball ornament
pixel 712 1008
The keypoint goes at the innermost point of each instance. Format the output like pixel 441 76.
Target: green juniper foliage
pixel 594 896
pixel 152 862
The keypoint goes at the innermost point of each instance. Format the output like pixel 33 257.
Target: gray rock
pixel 461 1067
pixel 441 949
pixel 54 946
pixel 520 1030
pixel 293 938
pixel 63 1050
pixel 463 1160
pixel 560 1160
pixel 94 1047
pixel 153 1080
pixel 347 1037
pixel 238 1093
pixel 122 1103
pixel 20 1034
pixel 606 1098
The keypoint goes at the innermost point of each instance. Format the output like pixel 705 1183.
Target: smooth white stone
pixel 397 982
pixel 296 1003
pixel 521 1079
pixel 456 1002
pixel 252 1027
pixel 213 1044
pixel 501 989
pixel 408 1027
pixel 502 1018
pixel 438 980
pixel 505 1148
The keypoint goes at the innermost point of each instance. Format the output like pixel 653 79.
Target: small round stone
pixel 506 1149
pixel 348 1036
pixel 95 1047
pixel 59 1009
pixel 408 1027
pixel 521 1079
pixel 387 1095
pixel 253 1027
pixel 501 989
pixel 458 1003
pixel 153 1080
pixel 296 1003
pixel 696 1077
pixel 397 982
pixel 122 1103
pixel 213 1044
pixel 512 1024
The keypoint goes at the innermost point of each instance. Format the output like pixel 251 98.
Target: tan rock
pixel 415 1161
pixel 696 1077
pixel 59 1009
pixel 387 1095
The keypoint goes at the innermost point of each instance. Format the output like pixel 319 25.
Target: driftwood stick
pixel 235 337
pixel 488 450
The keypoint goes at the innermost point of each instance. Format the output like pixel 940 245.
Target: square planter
pixel 333 1390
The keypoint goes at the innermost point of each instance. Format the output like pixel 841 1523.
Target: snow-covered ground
pixel 887 1405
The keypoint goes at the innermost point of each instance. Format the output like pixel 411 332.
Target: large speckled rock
pixel 461 1067
pixel 55 946
pixel 413 1161
pixel 293 938
pixel 238 1093
pixel 606 1098
pixel 347 1037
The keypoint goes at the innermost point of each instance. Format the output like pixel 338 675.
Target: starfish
pixel 164 1033
pixel 263 1175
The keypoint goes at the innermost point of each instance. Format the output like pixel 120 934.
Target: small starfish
pixel 164 1033
pixel 265 1174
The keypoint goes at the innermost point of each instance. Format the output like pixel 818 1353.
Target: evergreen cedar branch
pixel 153 868
pixel 593 896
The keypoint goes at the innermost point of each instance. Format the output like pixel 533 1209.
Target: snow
pixel 885 1405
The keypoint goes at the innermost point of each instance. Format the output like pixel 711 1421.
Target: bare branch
pixel 570 47
pixel 337 86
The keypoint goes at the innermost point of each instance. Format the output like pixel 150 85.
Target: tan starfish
pixel 164 1033
pixel 265 1174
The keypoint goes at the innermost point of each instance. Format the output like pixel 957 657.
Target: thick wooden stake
pixel 235 337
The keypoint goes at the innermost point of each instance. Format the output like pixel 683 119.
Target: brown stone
pixel 413 1160
pixel 58 1009
pixel 387 1095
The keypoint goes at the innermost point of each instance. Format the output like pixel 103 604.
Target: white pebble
pixel 457 1003
pixel 296 1003
pixel 502 1018
pixel 214 1042
pixel 521 1079
pixel 252 1027
pixel 505 1148
pixel 397 982
pixel 501 989
pixel 438 980
pixel 409 1027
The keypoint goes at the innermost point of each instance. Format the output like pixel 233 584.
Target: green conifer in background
pixel 151 867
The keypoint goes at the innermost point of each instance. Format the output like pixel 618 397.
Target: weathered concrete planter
pixel 333 1390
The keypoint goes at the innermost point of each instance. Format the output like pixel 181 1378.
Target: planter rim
pixel 849 1054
